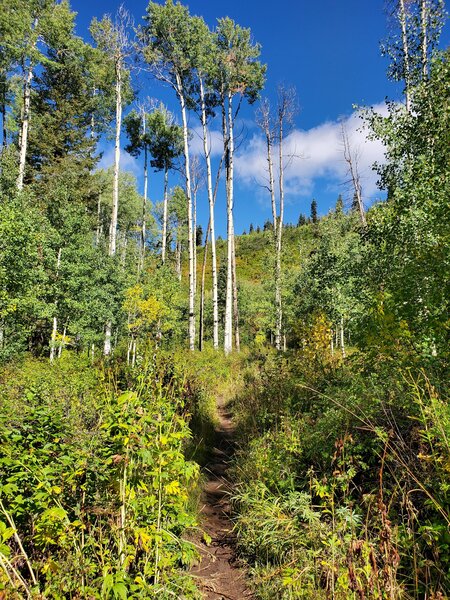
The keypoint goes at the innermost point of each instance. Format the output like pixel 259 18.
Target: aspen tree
pixel 112 38
pixel 214 266
pixel 420 23
pixel 274 129
pixel 35 23
pixel 207 100
pixel 237 73
pixel 136 129
pixel 197 177
pixel 171 46
pixel 285 116
pixel 351 158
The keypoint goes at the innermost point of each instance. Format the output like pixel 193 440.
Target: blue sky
pixel 329 51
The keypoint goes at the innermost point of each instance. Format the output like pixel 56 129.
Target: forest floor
pixel 219 575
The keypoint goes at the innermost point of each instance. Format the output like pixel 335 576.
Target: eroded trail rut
pixel 219 575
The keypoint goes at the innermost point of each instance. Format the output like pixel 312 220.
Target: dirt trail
pixel 219 575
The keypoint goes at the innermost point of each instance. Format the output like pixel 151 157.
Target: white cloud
pixel 127 162
pixel 315 153
pixel 215 141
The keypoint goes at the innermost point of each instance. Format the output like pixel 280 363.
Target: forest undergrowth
pixel 123 324
pixel 342 477
pixel 97 494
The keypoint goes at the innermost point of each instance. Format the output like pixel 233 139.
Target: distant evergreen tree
pixel 244 232
pixel 251 228
pixel 222 290
pixel 258 229
pixel 199 236
pixel 339 205
pixel 301 220
pixel 268 225
pixel 314 211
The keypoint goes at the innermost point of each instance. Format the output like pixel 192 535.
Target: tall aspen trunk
pixel 133 357
pixel 55 319
pixel 63 342
pixel 178 256
pixel 342 338
pixel 165 212
pixel 271 183
pixel 53 338
pixel 3 110
pixel 115 205
pixel 205 255
pixel 202 290
pixel 202 293
pixel 279 234
pixel 269 145
pixel 237 339
pixel 228 139
pixel 25 126
pixel 191 245
pixel 99 213
pixel 93 117
pixel 424 38
pixel 211 228
pixel 405 45
pixel 194 233
pixel 351 161
pixel 144 201
pixel 25 117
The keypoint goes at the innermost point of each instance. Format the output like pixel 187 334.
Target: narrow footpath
pixel 219 575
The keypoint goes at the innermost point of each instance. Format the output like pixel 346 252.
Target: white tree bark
pixel 352 161
pixel 228 140
pixel 178 254
pixel 205 256
pixel 55 319
pixel 211 227
pixel 279 233
pixel 342 338
pixel 237 339
pixel 26 113
pixel 191 244
pixel 194 231
pixel 144 202
pixel 402 15
pixel 165 212
pixel 25 126
pixel 99 213
pixel 424 37
pixel 63 343
pixel 115 204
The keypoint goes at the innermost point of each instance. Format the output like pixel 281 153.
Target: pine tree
pixel 314 211
pixel 301 220
pixel 199 236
